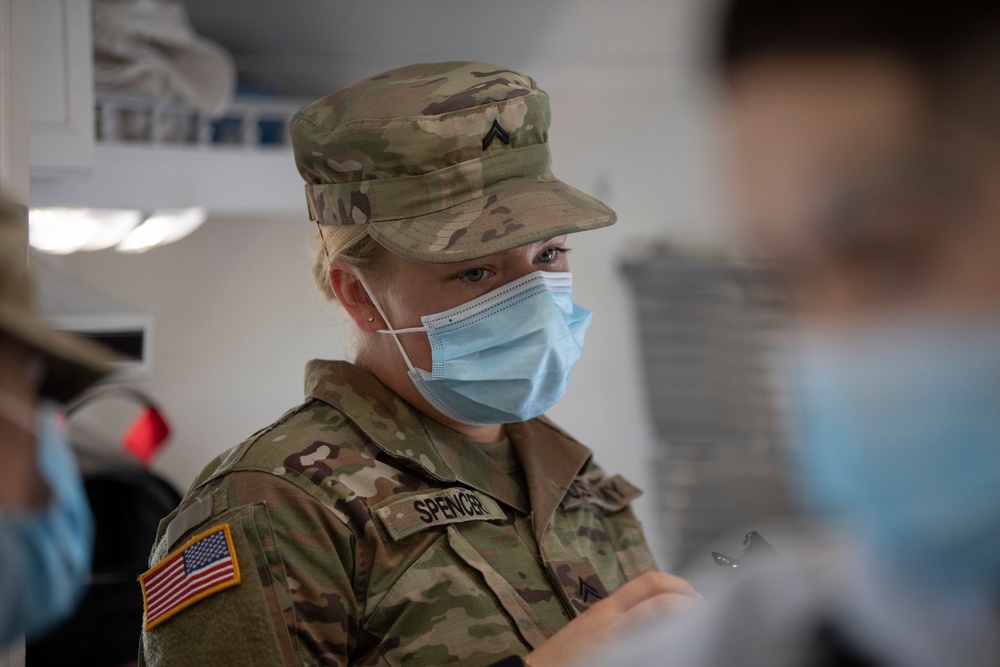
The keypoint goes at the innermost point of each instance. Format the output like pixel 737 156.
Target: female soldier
pixel 417 509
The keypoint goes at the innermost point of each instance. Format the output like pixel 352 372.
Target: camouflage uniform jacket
pixel 368 534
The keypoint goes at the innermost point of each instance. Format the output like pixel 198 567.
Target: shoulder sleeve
pixel 294 601
pixel 615 494
pixel 633 552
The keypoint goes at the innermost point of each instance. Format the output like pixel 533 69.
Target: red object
pixel 146 434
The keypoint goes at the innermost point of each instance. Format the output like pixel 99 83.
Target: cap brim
pixel 520 214
pixel 72 363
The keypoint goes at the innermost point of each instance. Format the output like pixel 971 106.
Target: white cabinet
pixel 62 85
pixel 71 166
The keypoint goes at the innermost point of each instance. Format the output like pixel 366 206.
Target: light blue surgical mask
pixel 44 554
pixel 899 431
pixel 504 357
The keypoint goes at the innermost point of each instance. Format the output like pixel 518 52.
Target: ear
pixel 353 296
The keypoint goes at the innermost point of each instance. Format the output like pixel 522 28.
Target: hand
pixel 652 593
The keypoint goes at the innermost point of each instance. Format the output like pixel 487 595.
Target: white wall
pixel 236 316
pixel 235 320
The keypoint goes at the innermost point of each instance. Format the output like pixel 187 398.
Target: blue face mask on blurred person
pixel 899 432
pixel 45 554
pixel 504 357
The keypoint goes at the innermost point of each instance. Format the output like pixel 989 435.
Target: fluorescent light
pixel 164 226
pixel 61 231
pixel 113 226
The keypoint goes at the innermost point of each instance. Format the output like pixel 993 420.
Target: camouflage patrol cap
pixel 442 162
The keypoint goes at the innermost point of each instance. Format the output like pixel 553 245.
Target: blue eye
pixel 549 254
pixel 474 275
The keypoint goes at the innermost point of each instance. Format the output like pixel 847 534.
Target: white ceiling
pixel 306 48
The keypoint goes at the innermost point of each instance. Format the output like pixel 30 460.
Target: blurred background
pixel 181 121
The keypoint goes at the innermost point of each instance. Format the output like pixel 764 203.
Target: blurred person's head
pixel 38 367
pixel 867 149
pixel 45 526
pixel 865 142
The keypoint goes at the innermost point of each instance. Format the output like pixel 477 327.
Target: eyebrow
pixel 473 262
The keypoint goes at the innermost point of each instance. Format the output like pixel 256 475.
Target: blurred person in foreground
pixel 866 147
pixel 418 508
pixel 46 530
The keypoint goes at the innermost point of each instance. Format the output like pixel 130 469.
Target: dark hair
pixel 953 48
pixel 926 34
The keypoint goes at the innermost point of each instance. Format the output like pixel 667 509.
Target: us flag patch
pixel 205 565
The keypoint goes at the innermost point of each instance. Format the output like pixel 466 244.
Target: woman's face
pixel 411 289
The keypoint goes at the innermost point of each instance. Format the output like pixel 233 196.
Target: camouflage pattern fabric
pixel 442 162
pixel 368 534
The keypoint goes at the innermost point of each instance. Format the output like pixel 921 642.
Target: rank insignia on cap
pixel 203 566
pixel 496 132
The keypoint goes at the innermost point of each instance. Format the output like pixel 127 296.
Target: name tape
pixel 413 514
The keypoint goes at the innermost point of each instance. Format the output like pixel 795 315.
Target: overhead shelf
pixel 151 155
pixel 226 181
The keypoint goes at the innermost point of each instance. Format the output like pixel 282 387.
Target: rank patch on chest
pixel 610 493
pixel 203 566
pixel 412 514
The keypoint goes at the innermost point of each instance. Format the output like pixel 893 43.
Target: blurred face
pixel 20 484
pixel 885 214
pixel 871 206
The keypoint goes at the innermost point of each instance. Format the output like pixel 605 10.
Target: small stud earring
pixel 371 318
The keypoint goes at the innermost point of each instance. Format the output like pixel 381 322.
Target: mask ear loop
pixel 385 319
pixel 322 242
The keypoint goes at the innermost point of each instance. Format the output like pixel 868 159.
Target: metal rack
pixel 710 328
pixel 250 122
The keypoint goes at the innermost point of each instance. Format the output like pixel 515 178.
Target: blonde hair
pixel 352 244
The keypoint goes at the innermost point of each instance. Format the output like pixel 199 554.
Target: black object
pixel 496 132
pixel 127 504
pixel 510 661
pixel 102 392
pixel 755 550
pixel 830 648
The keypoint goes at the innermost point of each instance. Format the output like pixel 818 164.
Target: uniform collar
pixel 551 459
pixel 391 423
